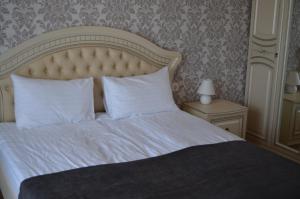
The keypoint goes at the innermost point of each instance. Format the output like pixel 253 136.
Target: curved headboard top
pixel 79 52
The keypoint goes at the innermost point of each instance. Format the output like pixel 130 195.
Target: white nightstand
pixel 224 114
pixel 290 119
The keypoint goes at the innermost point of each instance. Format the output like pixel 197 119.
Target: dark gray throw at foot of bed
pixel 231 170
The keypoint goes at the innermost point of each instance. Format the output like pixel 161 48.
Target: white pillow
pixel 41 102
pixel 129 96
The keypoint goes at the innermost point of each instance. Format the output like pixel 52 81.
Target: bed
pixel 163 155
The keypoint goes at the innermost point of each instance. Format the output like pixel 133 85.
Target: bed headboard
pixel 80 52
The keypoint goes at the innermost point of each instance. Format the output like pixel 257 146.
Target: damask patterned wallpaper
pixel 294 48
pixel 212 35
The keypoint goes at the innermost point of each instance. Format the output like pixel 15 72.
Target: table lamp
pixel 206 90
pixel 292 81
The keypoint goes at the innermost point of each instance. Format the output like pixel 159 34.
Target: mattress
pixel 54 148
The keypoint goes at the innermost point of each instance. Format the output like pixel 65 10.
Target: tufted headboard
pixel 80 52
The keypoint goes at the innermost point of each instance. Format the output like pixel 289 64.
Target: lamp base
pixel 291 89
pixel 205 99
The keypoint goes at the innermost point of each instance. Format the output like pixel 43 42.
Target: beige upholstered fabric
pixel 125 55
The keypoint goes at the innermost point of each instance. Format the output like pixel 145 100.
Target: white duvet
pixel 27 153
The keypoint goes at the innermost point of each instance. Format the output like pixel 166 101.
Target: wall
pixel 294 45
pixel 212 35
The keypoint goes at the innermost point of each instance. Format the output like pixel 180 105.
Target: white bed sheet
pixel 27 153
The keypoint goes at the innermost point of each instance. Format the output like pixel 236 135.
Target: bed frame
pixel 79 52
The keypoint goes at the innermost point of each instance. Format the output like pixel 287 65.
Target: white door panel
pixel 262 66
pixel 259 96
pixel 265 18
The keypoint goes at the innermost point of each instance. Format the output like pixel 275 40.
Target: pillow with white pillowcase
pixel 40 102
pixel 128 96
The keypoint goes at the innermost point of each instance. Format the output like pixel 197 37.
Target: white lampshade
pixel 293 78
pixel 206 88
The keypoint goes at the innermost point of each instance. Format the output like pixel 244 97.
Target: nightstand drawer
pixel 234 125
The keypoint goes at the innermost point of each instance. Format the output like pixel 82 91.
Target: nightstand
pixel 224 114
pixel 290 119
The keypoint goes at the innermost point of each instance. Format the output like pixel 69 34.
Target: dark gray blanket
pixel 226 170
